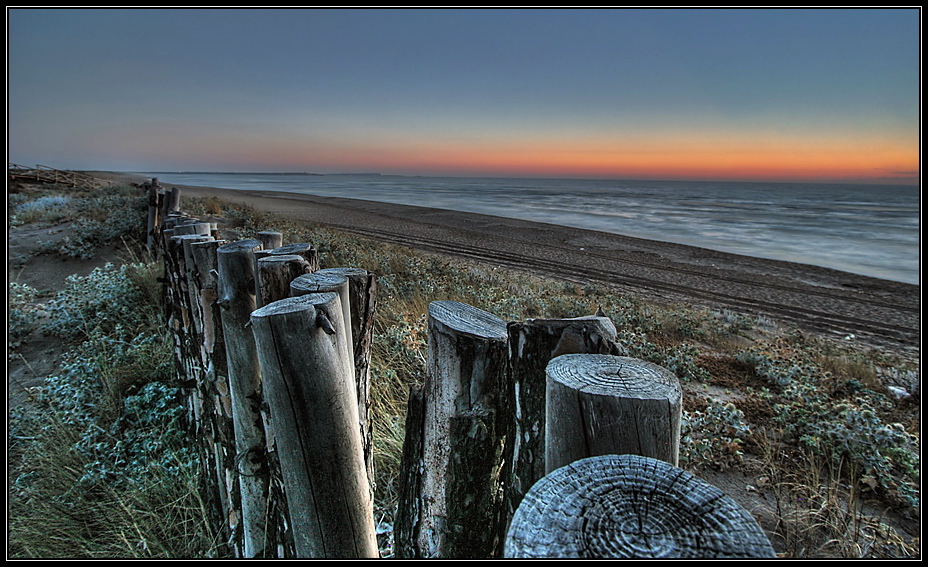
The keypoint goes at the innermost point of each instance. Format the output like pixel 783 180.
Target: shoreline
pixel 824 300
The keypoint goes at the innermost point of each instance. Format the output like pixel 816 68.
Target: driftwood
pixel 236 296
pixel 534 343
pixel 456 507
pixel 308 375
pixel 628 506
pixel 603 404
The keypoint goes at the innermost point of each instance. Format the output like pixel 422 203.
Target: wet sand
pixel 837 304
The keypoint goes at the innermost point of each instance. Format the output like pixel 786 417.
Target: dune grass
pixel 812 421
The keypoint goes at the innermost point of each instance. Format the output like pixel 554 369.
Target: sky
pixel 830 95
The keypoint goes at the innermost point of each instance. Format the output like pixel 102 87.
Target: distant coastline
pixel 865 229
pixel 912 186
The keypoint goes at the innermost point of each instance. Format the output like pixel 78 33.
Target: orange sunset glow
pixel 729 160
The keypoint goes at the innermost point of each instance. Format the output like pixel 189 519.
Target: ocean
pixel 871 230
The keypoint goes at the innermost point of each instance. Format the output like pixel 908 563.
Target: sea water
pixel 871 230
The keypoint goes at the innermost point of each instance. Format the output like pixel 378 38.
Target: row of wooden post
pixel 277 355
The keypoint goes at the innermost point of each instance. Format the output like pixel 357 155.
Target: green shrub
pixel 713 437
pixel 47 208
pixel 98 303
pixel 22 314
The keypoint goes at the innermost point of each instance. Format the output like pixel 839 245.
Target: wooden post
pixel 183 309
pixel 323 281
pixel 202 228
pixel 236 292
pixel 171 203
pixel 193 292
pixel 270 239
pixel 629 506
pixel 457 510
pixel 362 291
pixel 602 404
pixel 303 249
pixel 302 348
pixel 356 289
pixel 214 388
pixel 275 272
pixel 154 216
pixel 534 343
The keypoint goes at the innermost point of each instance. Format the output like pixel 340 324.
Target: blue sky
pixel 789 94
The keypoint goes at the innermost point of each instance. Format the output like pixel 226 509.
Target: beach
pixel 829 302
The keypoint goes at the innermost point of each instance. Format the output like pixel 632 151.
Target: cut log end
pixel 468 320
pixel 615 376
pixel 627 506
pixel 239 246
pixel 294 304
pixel 317 282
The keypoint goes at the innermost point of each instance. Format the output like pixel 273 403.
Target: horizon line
pixel 893 182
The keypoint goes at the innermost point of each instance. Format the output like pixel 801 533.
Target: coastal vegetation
pixel 818 437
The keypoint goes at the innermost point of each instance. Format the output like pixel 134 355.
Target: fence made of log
pixel 275 354
pixel 215 294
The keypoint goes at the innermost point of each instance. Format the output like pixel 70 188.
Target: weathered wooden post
pixel 236 297
pixel 303 249
pixel 629 506
pixel 171 202
pixel 308 384
pixel 534 343
pixel 451 492
pixel 219 428
pixel 154 216
pixel 192 227
pixel 190 282
pixel 362 291
pixel 327 281
pixel 275 272
pixel 183 311
pixel 603 404
pixel 356 289
pixel 270 239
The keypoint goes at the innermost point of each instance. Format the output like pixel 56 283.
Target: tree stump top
pixel 344 272
pixel 239 246
pixel 628 506
pixel 294 304
pixel 279 259
pixel 294 248
pixel 322 280
pixel 608 375
pixel 468 320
